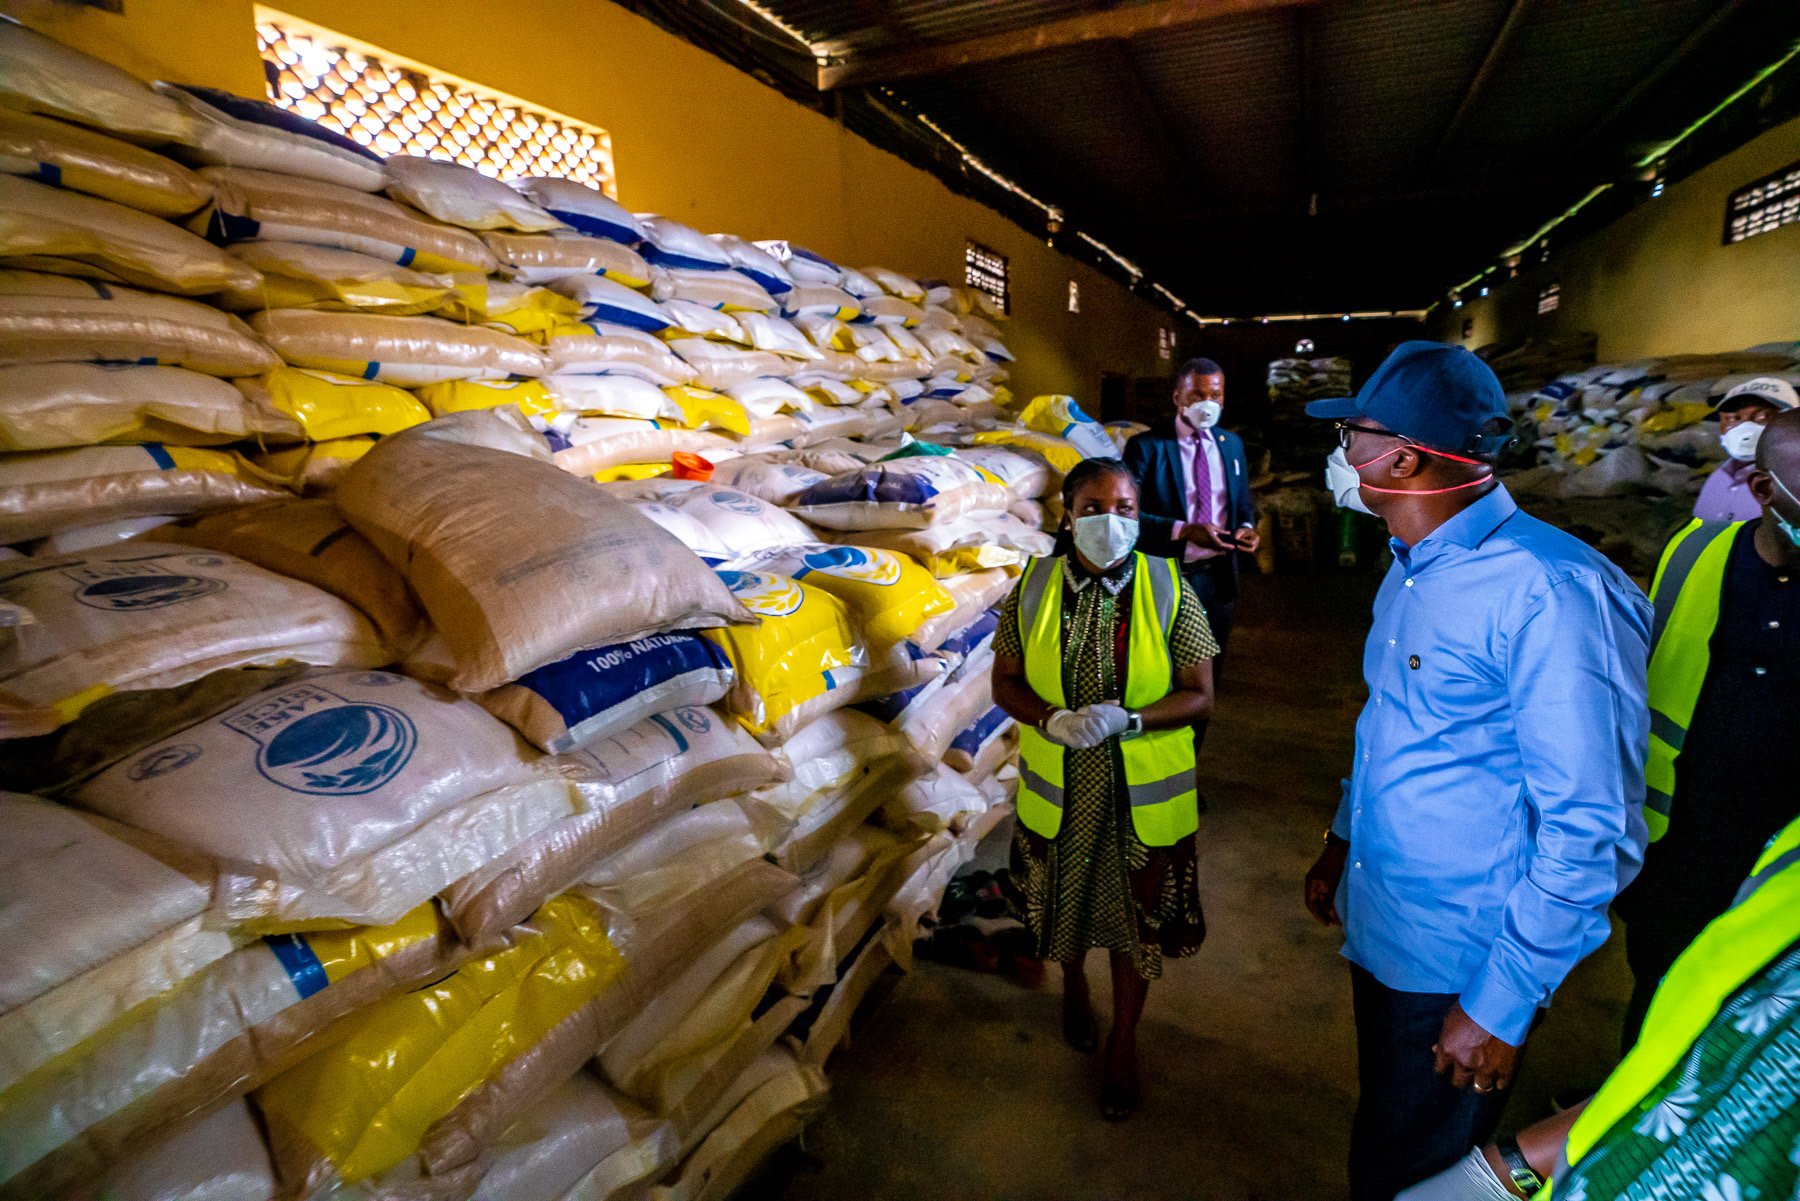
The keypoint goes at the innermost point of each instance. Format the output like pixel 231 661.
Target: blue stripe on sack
pixel 586 685
pixel 147 361
pixel 161 456
pixel 681 742
pixel 630 318
pixel 975 736
pixel 48 173
pixel 371 371
pixel 597 227
pixel 669 258
pixel 297 959
pixel 407 256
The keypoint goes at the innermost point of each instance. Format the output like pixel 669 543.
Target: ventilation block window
pixel 1165 342
pixel 1764 206
pixel 396 107
pixel 985 271
pixel 1074 297
pixel 1550 299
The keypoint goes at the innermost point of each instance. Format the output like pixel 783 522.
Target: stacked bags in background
pixel 489 680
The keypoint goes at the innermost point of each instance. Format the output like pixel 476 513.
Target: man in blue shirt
pixel 1494 808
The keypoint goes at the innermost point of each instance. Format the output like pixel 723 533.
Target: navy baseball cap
pixel 1440 396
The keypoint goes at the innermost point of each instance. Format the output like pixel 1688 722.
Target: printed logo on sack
pixel 317 742
pixel 375 679
pixel 856 563
pixel 696 720
pixel 163 760
pixel 764 595
pixel 132 585
pixel 737 502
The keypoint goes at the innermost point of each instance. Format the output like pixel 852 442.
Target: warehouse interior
pixel 508 513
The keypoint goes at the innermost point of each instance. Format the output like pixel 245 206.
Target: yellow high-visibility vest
pixel 1159 764
pixel 1685 596
pixel 1762 923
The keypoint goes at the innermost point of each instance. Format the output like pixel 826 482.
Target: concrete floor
pixel 958 1086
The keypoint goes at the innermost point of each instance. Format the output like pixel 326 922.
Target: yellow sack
pixel 315 466
pixel 299 275
pixel 81 160
pixel 1060 417
pixel 801 659
pixel 48 492
pixel 1057 452
pixel 49 229
pixel 363 1102
pixel 454 396
pixel 962 560
pixel 704 409
pixel 632 471
pixel 889 596
pixel 511 308
pixel 44 406
pixel 331 406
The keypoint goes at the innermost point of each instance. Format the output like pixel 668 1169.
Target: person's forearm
pixel 1184 708
pixel 1541 1143
pixel 1017 700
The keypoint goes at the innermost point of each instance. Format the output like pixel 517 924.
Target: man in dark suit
pixel 1194 492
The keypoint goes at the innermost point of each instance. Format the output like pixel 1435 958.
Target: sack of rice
pixel 940 800
pixel 235 131
pixel 804 265
pixel 785 1098
pixel 727 291
pixel 827 1025
pixel 722 365
pixel 820 301
pixel 67 156
pixel 593 444
pixel 139 615
pixel 973 741
pixel 739 523
pixel 509 594
pixel 220 1157
pixel 531 397
pixel 1061 417
pixel 775 483
pixel 544 258
pixel 407 351
pixel 670 244
pixel 594 694
pixel 971 596
pixel 770 397
pixel 309 540
pixel 684 854
pixel 891 311
pixel 584 209
pixel 800 660
pixel 903 494
pixel 1058 452
pixel 604 395
pixel 95 926
pixel 273 206
pixel 314 467
pixel 328 406
pixel 896 284
pixel 65 233
pixel 417 789
pixel 756 263
pixel 459 195
pixel 611 302
pixel 364 1104
pixel 1028 475
pixel 39 74
pixel 54 319
pixel 890 597
pixel 958 705
pixel 45 492
pixel 300 275
pixel 48 406
pixel 583 1142
pixel 973 543
pixel 578 349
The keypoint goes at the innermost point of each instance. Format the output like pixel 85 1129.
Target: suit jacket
pixel 1163 479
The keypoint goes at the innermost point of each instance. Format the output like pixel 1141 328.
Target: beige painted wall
pixel 1658 281
pixel 693 138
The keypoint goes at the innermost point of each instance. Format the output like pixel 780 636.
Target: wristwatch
pixel 1134 723
pixel 1524 1176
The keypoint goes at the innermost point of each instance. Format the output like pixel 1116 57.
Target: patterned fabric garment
pixel 1724 1125
pixel 1095 884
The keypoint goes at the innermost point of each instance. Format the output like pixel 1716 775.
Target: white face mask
pixel 1203 415
pixel 1740 440
pixel 1343 482
pixel 1105 538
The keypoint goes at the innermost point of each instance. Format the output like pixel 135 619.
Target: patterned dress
pixel 1095 884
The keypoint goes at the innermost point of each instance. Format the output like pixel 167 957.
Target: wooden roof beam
pixel 1125 21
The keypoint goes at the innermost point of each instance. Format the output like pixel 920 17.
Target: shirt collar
pixel 1187 433
pixel 1113 581
pixel 1471 527
pixel 1738 469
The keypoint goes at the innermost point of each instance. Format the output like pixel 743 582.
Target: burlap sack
pixel 56 319
pixel 310 540
pixel 519 564
pixel 84 161
pixel 408 351
pixel 47 406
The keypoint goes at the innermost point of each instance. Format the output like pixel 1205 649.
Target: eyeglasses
pixel 1346 430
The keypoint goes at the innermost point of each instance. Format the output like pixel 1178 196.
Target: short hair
pixel 1198 367
pixel 1092 469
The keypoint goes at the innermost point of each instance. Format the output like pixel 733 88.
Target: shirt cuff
pixel 1340 821
pixel 1497 1009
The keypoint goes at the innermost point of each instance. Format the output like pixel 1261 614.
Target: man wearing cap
pixel 1724 712
pixel 1495 804
pixel 1743 412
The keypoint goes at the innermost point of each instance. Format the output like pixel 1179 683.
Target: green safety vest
pixel 1685 597
pixel 1159 764
pixel 1762 922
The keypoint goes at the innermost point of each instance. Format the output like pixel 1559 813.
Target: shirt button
pixel 1412 661
pixel 1774 625
pixel 1359 865
pixel 1390 642
pixel 1377 700
pixel 1409 583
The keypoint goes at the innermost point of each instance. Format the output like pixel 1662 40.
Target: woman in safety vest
pixel 1104 657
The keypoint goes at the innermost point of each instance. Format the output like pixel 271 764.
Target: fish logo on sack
pixel 314 741
pixel 764 595
pixel 737 502
pixel 856 563
pixel 133 585
pixel 696 720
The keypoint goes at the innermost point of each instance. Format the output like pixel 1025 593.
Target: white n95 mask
pixel 1105 538
pixel 1203 415
pixel 1344 483
pixel 1740 440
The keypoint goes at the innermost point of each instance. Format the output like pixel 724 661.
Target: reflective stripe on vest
pixel 1685 597
pixel 1159 765
pixel 1761 924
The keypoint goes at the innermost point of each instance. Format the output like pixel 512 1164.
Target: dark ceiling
pixel 1267 156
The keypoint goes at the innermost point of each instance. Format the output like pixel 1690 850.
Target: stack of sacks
pixel 1292 382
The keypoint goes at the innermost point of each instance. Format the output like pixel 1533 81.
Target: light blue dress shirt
pixel 1495 807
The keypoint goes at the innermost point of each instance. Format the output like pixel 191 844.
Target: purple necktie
pixel 1203 487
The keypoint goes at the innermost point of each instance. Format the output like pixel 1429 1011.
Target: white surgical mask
pixel 1105 538
pixel 1204 414
pixel 1740 440
pixel 1344 483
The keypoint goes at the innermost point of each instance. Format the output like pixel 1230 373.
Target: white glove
pixel 1086 727
pixel 1112 720
pixel 1468 1179
pixel 1060 728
